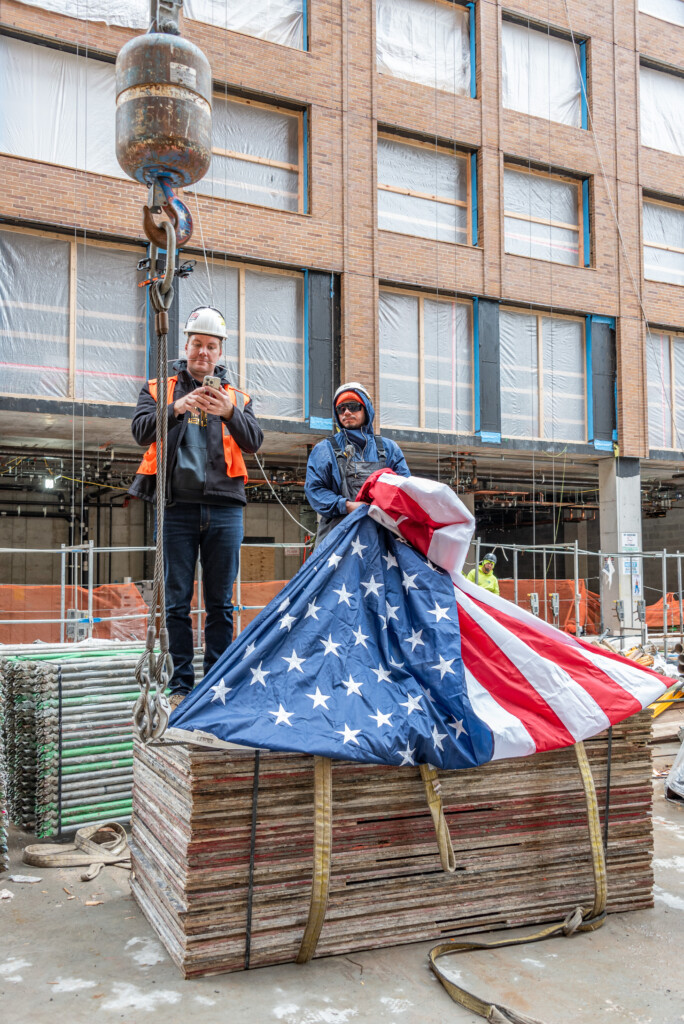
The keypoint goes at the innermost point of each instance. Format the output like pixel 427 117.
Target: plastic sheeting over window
pixel 437 395
pixel 128 13
pixel 425 41
pixel 666 10
pixel 542 377
pixel 665 377
pixel 662 111
pixel 422 191
pixel 264 355
pixel 34 315
pixel 36 320
pixel 57 107
pixel 110 326
pixel 541 217
pixel 540 74
pixel 664 243
pixel 256 156
pixel 280 21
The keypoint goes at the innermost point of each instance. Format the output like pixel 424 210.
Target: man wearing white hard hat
pixel 210 424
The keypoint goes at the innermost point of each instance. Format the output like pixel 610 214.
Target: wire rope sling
pixel 163 141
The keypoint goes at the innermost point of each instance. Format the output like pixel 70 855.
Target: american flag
pixel 379 650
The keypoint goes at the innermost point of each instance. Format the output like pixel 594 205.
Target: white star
pixel 391 560
pixel 352 687
pixel 407 755
pixel 344 595
pixel 432 566
pixel 407 581
pixel 220 691
pixel 439 613
pixel 286 621
pixel 284 604
pixel 349 734
pixel 259 675
pixel 282 716
pixel 457 724
pixel 294 662
pixel 319 699
pixel 392 610
pixel 382 674
pixel 437 738
pixel 396 664
pixel 428 694
pixel 380 718
pixel 360 638
pixel 414 639
pixel 384 620
pixel 330 646
pixel 412 703
pixel 358 547
pixel 249 649
pixel 334 560
pixel 444 666
pixel 311 610
pixel 372 587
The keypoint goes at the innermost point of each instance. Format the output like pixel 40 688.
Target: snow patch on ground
pixel 670 863
pixel 396 1005
pixel 535 963
pixel 13 964
pixel 130 997
pixel 150 953
pixel 291 1013
pixel 205 1001
pixel 71 985
pixel 676 902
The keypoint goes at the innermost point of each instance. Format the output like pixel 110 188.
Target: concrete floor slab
pixel 61 959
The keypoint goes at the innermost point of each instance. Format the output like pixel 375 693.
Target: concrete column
pixel 468 500
pixel 620 523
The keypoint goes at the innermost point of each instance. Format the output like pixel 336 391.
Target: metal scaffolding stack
pixel 69 737
pixel 4 820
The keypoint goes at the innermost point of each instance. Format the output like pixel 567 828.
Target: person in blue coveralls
pixel 340 465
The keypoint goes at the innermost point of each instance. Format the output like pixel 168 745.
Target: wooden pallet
pixel 518 829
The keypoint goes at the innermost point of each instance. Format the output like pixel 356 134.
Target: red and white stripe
pixel 536 687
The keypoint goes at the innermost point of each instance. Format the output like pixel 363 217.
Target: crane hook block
pixel 163 109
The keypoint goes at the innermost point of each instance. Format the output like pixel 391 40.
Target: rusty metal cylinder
pixel 163 109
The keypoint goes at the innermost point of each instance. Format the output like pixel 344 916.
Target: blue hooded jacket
pixel 323 486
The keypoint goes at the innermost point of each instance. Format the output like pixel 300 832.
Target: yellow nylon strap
pixel 320 886
pixel 579 920
pixel 446 850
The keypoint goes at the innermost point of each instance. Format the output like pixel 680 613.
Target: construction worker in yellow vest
pixel 485 574
pixel 211 424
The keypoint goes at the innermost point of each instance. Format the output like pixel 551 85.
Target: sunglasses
pixel 349 406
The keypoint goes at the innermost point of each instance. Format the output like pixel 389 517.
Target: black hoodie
pixel 219 488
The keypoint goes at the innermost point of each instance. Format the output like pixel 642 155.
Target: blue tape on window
pixel 603 446
pixel 476 364
pixel 318 423
pixel 306 344
pixel 305 24
pixel 586 244
pixel 473 197
pixel 583 71
pixel 305 159
pixel 473 55
pixel 610 320
pixel 590 379
pixel 489 437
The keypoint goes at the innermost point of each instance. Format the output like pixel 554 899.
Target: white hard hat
pixel 206 320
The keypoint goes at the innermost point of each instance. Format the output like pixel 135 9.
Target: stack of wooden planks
pixel 518 829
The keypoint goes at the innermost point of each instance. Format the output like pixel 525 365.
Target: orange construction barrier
pixel 654 613
pixel 589 608
pixel 43 602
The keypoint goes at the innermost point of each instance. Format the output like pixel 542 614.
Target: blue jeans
pixel 215 532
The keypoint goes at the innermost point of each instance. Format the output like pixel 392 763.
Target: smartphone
pixel 212 382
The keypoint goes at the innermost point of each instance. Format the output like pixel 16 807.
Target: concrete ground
pixel 61 959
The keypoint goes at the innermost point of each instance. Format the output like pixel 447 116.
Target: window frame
pixel 580 228
pixel 469 6
pixel 658 245
pixel 302 149
pixel 72 308
pixel 242 266
pixel 432 297
pixel 450 150
pixel 670 335
pixel 540 315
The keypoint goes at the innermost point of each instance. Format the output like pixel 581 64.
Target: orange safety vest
pixel 235 463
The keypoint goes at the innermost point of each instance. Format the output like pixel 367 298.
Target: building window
pixel 258 155
pixel 665 376
pixel 131 14
pixel 424 190
pixel 426 41
pixel 543 376
pixel 57 107
pixel 86 341
pixel 542 74
pixel 662 110
pixel 543 217
pixel 279 21
pixel 264 352
pixel 666 10
pixel 663 242
pixel 426 362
